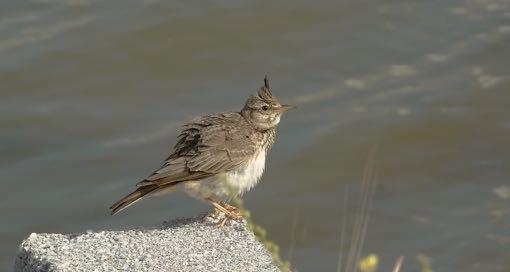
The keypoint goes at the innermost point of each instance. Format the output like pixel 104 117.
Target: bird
pixel 218 156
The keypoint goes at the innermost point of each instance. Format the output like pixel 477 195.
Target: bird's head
pixel 263 109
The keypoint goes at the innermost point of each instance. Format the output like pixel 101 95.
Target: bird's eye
pixel 265 107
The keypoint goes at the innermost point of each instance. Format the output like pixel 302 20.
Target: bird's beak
pixel 285 108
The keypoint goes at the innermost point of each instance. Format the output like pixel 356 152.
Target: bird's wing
pixel 207 146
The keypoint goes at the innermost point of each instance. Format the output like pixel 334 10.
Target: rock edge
pixel 189 244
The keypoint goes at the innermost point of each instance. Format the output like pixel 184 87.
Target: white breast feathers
pixel 243 179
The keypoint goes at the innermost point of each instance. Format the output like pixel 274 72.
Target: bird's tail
pixel 133 197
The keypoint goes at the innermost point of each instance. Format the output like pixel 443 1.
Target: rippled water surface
pixel 92 95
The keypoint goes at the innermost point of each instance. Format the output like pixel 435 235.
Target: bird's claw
pixel 231 215
pixel 230 212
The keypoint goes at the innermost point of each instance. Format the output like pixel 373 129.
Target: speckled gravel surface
pixel 181 245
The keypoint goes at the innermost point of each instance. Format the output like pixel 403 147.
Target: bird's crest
pixel 265 92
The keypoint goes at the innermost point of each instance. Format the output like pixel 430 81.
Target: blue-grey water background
pixel 93 92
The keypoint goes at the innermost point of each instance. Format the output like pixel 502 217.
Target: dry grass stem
pixel 362 217
pixel 398 264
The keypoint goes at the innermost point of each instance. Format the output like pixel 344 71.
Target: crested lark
pixel 217 156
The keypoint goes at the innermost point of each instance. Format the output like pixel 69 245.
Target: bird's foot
pixel 230 212
pixel 234 212
pixel 230 207
pixel 231 215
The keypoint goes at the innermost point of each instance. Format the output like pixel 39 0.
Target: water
pixel 93 93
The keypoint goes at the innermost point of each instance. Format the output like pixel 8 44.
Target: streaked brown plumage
pixel 217 156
